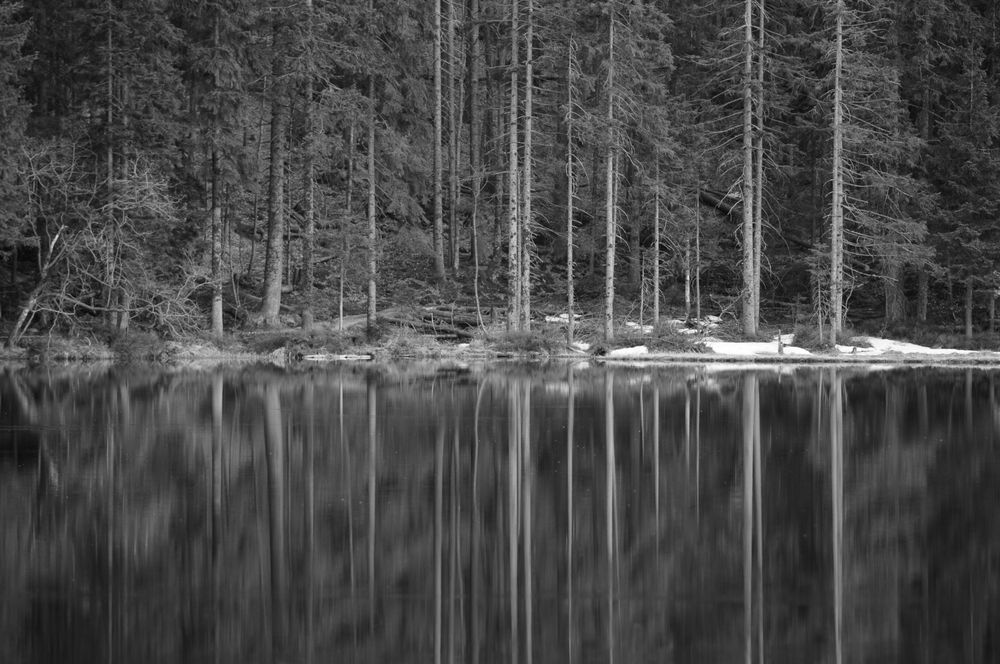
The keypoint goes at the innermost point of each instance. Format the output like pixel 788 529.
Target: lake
pixel 500 513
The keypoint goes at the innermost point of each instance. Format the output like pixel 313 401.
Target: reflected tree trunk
pixel 274 442
pixel 609 444
pixel 454 541
pixel 753 574
pixel 656 463
pixel 372 452
pixel 570 426
pixel 837 500
pixel 526 506
pixel 749 409
pixel 110 542
pixel 438 540
pixel 309 403
pixel 348 482
pixel 514 469
pixel 697 450
pixel 476 549
pixel 217 515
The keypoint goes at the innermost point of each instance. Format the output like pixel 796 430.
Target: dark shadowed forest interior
pixel 211 164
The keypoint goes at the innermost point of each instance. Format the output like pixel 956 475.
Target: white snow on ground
pixel 634 351
pixel 890 346
pixel 876 346
pixel 751 348
pixel 561 318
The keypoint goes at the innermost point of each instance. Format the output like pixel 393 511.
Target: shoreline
pixel 291 349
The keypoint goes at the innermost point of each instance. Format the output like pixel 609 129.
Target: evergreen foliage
pixel 190 131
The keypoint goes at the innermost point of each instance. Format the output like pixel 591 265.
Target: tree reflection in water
pixel 499 514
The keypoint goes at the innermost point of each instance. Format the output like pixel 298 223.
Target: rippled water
pixel 504 513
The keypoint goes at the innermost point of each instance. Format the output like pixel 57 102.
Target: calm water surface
pixel 507 513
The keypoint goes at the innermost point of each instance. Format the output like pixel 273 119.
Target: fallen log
pixel 434 328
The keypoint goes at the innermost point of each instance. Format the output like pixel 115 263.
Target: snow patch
pixel 738 348
pixel 890 346
pixel 561 318
pixel 633 351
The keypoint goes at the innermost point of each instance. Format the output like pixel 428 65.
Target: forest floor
pixel 422 332
pixel 420 318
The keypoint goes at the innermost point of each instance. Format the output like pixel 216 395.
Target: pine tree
pixel 274 258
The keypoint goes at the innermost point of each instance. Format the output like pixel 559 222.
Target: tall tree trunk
pixel 656 248
pixel 609 201
pixel 438 166
pixel 688 278
pixel 513 191
pixel 111 268
pixel 837 210
pixel 570 184
pixel 475 144
pixel 527 242
pixel 968 307
pixel 923 286
pixel 748 318
pixel 309 174
pixel 895 301
pixel 216 208
pixel 372 229
pixel 453 153
pixel 993 310
pixel 697 253
pixel 758 190
pixel 348 212
pixel 273 261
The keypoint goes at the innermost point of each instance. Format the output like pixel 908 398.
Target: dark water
pixel 501 514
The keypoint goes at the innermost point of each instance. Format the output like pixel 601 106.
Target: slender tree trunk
pixel 32 301
pixel 895 300
pixel 513 192
pixel 438 166
pixel 309 169
pixel 697 254
pixel 273 261
pixel 453 152
pixel 111 269
pixel 688 278
pixel 609 207
pixel 372 228
pixel 923 286
pixel 758 190
pixel 216 209
pixel 348 213
pixel 475 144
pixel 656 248
pixel 748 318
pixel 993 310
pixel 527 242
pixel 570 184
pixel 968 307
pixel 837 211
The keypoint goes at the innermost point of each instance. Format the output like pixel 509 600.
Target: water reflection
pixel 510 514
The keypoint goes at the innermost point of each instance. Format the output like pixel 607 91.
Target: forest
pixel 205 165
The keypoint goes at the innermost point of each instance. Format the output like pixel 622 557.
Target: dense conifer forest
pixel 213 164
